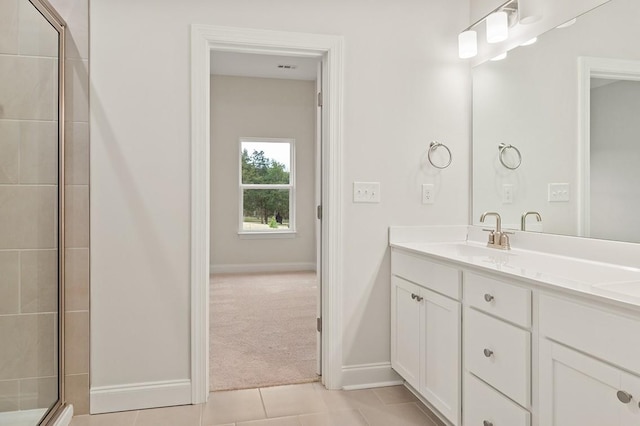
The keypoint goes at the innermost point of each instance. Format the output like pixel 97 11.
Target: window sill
pixel 265 235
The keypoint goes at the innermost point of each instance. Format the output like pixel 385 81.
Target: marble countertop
pixel 618 284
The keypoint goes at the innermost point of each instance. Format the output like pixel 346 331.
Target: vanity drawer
pixel 434 276
pixel 499 353
pixel 483 405
pixel 596 331
pixel 498 298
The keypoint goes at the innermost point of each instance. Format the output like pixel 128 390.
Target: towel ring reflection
pixel 503 148
pixel 432 147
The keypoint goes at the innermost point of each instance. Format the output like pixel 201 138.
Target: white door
pixel 406 307
pixel 576 389
pixel 441 352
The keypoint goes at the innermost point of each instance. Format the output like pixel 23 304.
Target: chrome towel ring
pixel 434 146
pixel 503 148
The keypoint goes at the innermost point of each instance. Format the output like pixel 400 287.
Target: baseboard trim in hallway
pixel 262 267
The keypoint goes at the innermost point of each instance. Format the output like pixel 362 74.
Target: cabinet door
pixel 405 330
pixel 631 411
pixel 440 349
pixel 576 389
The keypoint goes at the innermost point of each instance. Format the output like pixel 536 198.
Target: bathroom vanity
pixel 544 334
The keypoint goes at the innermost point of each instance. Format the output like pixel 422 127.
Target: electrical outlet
pixel 507 193
pixel 558 192
pixel 366 192
pixel 428 193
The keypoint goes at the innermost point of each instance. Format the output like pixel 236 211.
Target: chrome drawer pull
pixel 416 297
pixel 488 353
pixel 624 397
pixel 488 297
pixel 487 423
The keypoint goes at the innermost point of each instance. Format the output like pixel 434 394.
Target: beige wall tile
pixel 77 216
pixel 37 36
pixel 186 415
pixel 9 282
pixel 77 90
pixel 39 281
pixel 126 418
pixel 77 279
pixel 28 346
pixel 77 343
pixel 32 94
pixel 76 14
pixel 9 26
pixel 28 217
pixel 77 392
pixel 38 393
pixel 39 152
pixel 9 395
pixel 9 149
pixel 76 153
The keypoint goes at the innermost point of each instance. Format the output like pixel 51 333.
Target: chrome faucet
pixel 523 219
pixel 497 238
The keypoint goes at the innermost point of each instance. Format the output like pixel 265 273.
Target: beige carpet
pixel 263 330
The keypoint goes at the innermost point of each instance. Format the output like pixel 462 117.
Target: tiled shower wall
pixel 76 15
pixel 27 208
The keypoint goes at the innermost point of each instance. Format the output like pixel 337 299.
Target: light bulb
pixel 497 27
pixel 467 44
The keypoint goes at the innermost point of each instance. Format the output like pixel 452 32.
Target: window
pixel 267 186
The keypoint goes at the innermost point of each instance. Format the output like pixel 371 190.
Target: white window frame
pixel 289 233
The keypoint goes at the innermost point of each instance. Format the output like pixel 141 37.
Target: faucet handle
pixel 488 230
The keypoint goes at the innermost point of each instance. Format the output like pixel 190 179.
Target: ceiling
pixel 265 66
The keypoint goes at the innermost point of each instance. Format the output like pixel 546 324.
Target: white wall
pixel 615 194
pixel 269 108
pixel 531 100
pixel 404 86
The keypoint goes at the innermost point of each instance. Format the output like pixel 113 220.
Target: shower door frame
pixel 56 21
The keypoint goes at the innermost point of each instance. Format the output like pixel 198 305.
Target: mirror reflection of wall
pixel 531 100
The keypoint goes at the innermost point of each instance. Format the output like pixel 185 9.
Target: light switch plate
pixel 559 192
pixel 366 192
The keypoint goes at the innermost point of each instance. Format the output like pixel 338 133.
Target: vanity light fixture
pixel 530 42
pixel 467 44
pixel 497 27
pixel 498 23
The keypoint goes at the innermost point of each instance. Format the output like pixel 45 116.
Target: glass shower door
pixel 30 212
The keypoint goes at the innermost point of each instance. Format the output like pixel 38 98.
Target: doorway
pixel 205 38
pixel 264 286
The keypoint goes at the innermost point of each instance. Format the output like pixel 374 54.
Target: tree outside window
pixel 266 182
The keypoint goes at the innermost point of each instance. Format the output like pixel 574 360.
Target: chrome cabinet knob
pixel 624 397
pixel 488 353
pixel 487 423
pixel 488 297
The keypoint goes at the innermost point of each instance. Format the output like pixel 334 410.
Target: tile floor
pixel 292 405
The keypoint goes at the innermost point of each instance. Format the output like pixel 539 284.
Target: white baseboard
pixel 138 396
pixel 262 267
pixel 366 376
pixel 64 419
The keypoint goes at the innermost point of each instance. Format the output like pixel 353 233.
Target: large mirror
pixel 563 116
pixel 31 212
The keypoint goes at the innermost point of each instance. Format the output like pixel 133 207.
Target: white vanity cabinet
pixel 425 330
pixel 589 365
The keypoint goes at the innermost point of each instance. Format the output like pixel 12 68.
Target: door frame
pixel 588 67
pixel 204 39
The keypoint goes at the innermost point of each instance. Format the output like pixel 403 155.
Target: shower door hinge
pixel 319 212
pixel 319 325
pixel 320 99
